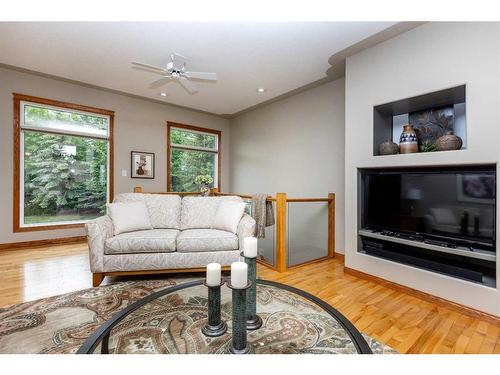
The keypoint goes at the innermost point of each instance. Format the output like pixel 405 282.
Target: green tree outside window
pixel 65 176
pixel 198 156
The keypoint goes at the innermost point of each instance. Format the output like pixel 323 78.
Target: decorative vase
pixel 204 190
pixel 408 142
pixel 449 141
pixel 388 148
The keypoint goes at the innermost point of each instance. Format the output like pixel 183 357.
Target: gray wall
pixel 295 145
pixel 139 125
pixel 429 58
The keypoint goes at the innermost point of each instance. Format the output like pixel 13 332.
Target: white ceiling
pixel 278 56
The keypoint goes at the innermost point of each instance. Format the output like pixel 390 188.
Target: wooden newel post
pixel 331 225
pixel 281 232
pixel 138 189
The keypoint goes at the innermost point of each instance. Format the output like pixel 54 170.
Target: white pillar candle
pixel 250 247
pixel 213 274
pixel 239 275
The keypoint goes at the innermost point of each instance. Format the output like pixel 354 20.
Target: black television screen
pixel 441 203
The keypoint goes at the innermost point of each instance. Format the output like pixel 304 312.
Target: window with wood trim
pixel 63 158
pixel 192 151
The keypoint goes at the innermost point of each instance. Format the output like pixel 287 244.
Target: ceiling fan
pixel 176 71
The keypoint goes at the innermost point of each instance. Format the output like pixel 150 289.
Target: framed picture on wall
pixel 142 164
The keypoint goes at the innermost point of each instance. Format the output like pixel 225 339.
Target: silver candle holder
pixel 254 321
pixel 239 343
pixel 215 325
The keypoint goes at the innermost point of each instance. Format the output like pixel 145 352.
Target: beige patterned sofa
pixel 181 238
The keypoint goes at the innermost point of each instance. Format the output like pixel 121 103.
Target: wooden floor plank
pixel 489 339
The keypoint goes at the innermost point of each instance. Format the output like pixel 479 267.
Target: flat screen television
pixel 446 204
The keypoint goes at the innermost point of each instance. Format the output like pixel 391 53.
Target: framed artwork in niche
pixel 432 124
pixel 142 164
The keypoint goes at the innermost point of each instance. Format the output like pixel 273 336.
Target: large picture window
pixel 192 151
pixel 63 157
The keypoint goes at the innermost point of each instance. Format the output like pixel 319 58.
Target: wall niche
pixel 432 115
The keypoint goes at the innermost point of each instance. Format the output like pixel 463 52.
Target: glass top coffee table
pixel 170 321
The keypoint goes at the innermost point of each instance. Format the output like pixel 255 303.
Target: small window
pixel 192 151
pixel 64 170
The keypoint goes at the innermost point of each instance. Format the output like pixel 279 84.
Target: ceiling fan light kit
pixel 176 71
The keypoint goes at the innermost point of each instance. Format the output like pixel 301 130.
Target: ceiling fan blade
pixel 179 55
pixel 160 82
pixel 189 86
pixel 202 75
pixel 149 66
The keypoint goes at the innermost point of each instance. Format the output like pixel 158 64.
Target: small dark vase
pixel 449 141
pixel 408 142
pixel 388 148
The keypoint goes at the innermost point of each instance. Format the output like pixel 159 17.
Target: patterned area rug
pixel 170 324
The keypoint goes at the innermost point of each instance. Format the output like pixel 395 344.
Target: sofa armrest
pixel 246 228
pixel 98 231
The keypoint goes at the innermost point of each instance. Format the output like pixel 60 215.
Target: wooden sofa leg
pixel 97 279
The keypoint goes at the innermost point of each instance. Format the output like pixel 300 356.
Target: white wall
pixel 429 58
pixel 295 145
pixel 139 125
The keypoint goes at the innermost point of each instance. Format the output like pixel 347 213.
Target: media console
pixel 443 247
pixel 469 264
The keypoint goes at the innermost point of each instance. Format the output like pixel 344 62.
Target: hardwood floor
pixel 402 320
pixel 33 273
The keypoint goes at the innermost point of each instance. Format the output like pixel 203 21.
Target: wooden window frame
pixel 18 98
pixel 218 133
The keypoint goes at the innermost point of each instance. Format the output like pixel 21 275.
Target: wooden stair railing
pixel 281 200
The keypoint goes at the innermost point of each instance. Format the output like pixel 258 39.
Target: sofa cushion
pixel 199 212
pixel 228 216
pixel 129 217
pixel 197 240
pixel 144 241
pixel 164 209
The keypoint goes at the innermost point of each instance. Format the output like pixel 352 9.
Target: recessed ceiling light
pixel 163 94
pixel 261 90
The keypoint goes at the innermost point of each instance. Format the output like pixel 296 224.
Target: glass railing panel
pixel 307 232
pixel 267 245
